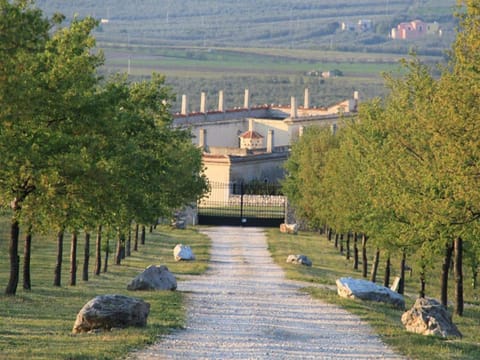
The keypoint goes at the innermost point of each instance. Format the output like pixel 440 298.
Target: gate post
pixel 242 191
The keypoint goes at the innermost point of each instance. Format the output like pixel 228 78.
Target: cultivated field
pixel 261 23
pixel 227 45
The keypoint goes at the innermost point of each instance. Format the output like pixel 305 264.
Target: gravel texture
pixel 244 308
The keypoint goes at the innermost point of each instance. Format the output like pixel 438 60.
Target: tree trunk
pixel 86 257
pixel 459 276
pixel 142 238
pixel 336 241
pixel 386 277
pixel 364 256
pixel 135 242
pixel 422 281
pixel 128 245
pixel 347 255
pixel 107 250
pixel 355 251
pixel 27 252
pixel 151 229
pixel 341 243
pixel 324 229
pixel 57 280
pixel 120 248
pixel 11 288
pixel 401 284
pixel 73 259
pixel 329 234
pixel 98 252
pixel 376 260
pixel 447 260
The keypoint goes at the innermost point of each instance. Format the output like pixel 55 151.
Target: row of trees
pixel 406 172
pixel 79 151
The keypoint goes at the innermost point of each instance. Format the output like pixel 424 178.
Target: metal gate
pixel 254 204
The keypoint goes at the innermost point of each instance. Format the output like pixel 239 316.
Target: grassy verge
pixel 37 324
pixel 329 264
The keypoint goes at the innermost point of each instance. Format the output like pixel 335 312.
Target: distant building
pixel 348 26
pixel 365 25
pixel 415 30
pixel 362 25
pixel 331 73
pixel 247 143
pixel 434 29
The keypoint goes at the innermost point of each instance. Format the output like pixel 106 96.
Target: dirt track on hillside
pixel 244 308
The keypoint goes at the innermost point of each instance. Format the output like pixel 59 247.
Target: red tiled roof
pixel 251 135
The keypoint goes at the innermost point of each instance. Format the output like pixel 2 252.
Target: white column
pixel 203 102
pixel 202 139
pixel 356 97
pixel 246 101
pixel 293 107
pixel 184 105
pixel 306 100
pixel 270 142
pixel 221 101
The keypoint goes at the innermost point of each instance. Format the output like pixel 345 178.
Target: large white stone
pixel 366 290
pixel 154 278
pixel 429 317
pixel 183 252
pixel 299 259
pixel 289 228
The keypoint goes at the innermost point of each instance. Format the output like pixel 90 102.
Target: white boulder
pixel 154 278
pixel 183 252
pixel 299 259
pixel 289 228
pixel 429 317
pixel 366 290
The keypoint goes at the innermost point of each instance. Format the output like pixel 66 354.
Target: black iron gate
pixel 253 204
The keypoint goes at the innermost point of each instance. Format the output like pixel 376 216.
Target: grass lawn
pixel 329 264
pixel 37 324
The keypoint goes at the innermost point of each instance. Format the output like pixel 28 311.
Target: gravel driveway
pixel 244 308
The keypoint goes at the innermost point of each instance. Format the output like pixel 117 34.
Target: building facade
pixel 253 142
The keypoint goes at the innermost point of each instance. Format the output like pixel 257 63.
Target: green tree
pixel 303 184
pixel 65 126
pixel 155 167
pixel 403 166
pixel 23 36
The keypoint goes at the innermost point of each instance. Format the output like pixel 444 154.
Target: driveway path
pixel 244 308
